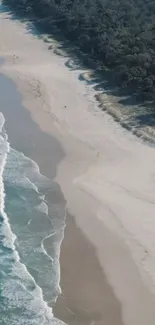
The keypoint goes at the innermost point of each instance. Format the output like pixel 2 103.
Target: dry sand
pixel 107 175
pixel 86 295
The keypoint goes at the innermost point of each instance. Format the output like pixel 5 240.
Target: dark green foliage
pixel 119 34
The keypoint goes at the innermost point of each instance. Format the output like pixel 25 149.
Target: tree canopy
pixel 119 34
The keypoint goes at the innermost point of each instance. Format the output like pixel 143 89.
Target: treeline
pixel 119 34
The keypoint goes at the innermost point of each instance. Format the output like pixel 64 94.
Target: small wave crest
pixel 22 286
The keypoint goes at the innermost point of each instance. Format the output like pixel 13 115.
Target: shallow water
pixel 31 231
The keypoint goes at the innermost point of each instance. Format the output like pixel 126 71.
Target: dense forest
pixel 118 34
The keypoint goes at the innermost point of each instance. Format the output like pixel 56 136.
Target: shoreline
pixel 86 295
pixel 98 157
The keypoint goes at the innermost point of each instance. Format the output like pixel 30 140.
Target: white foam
pixel 30 172
pixel 42 245
pixel 42 207
pixel 11 288
pixel 2 121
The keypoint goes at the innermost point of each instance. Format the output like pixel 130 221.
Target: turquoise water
pixel 30 226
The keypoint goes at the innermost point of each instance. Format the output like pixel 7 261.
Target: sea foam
pixel 22 299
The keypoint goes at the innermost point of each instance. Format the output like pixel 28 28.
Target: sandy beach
pixel 86 294
pixel 106 176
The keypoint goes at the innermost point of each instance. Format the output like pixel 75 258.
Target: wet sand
pixel 107 184
pixel 86 295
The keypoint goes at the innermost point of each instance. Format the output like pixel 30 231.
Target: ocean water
pixel 31 232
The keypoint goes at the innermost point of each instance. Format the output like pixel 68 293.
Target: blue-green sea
pixel 31 231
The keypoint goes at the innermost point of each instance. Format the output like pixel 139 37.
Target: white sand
pixel 108 176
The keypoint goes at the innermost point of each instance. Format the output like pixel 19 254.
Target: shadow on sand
pixel 101 80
